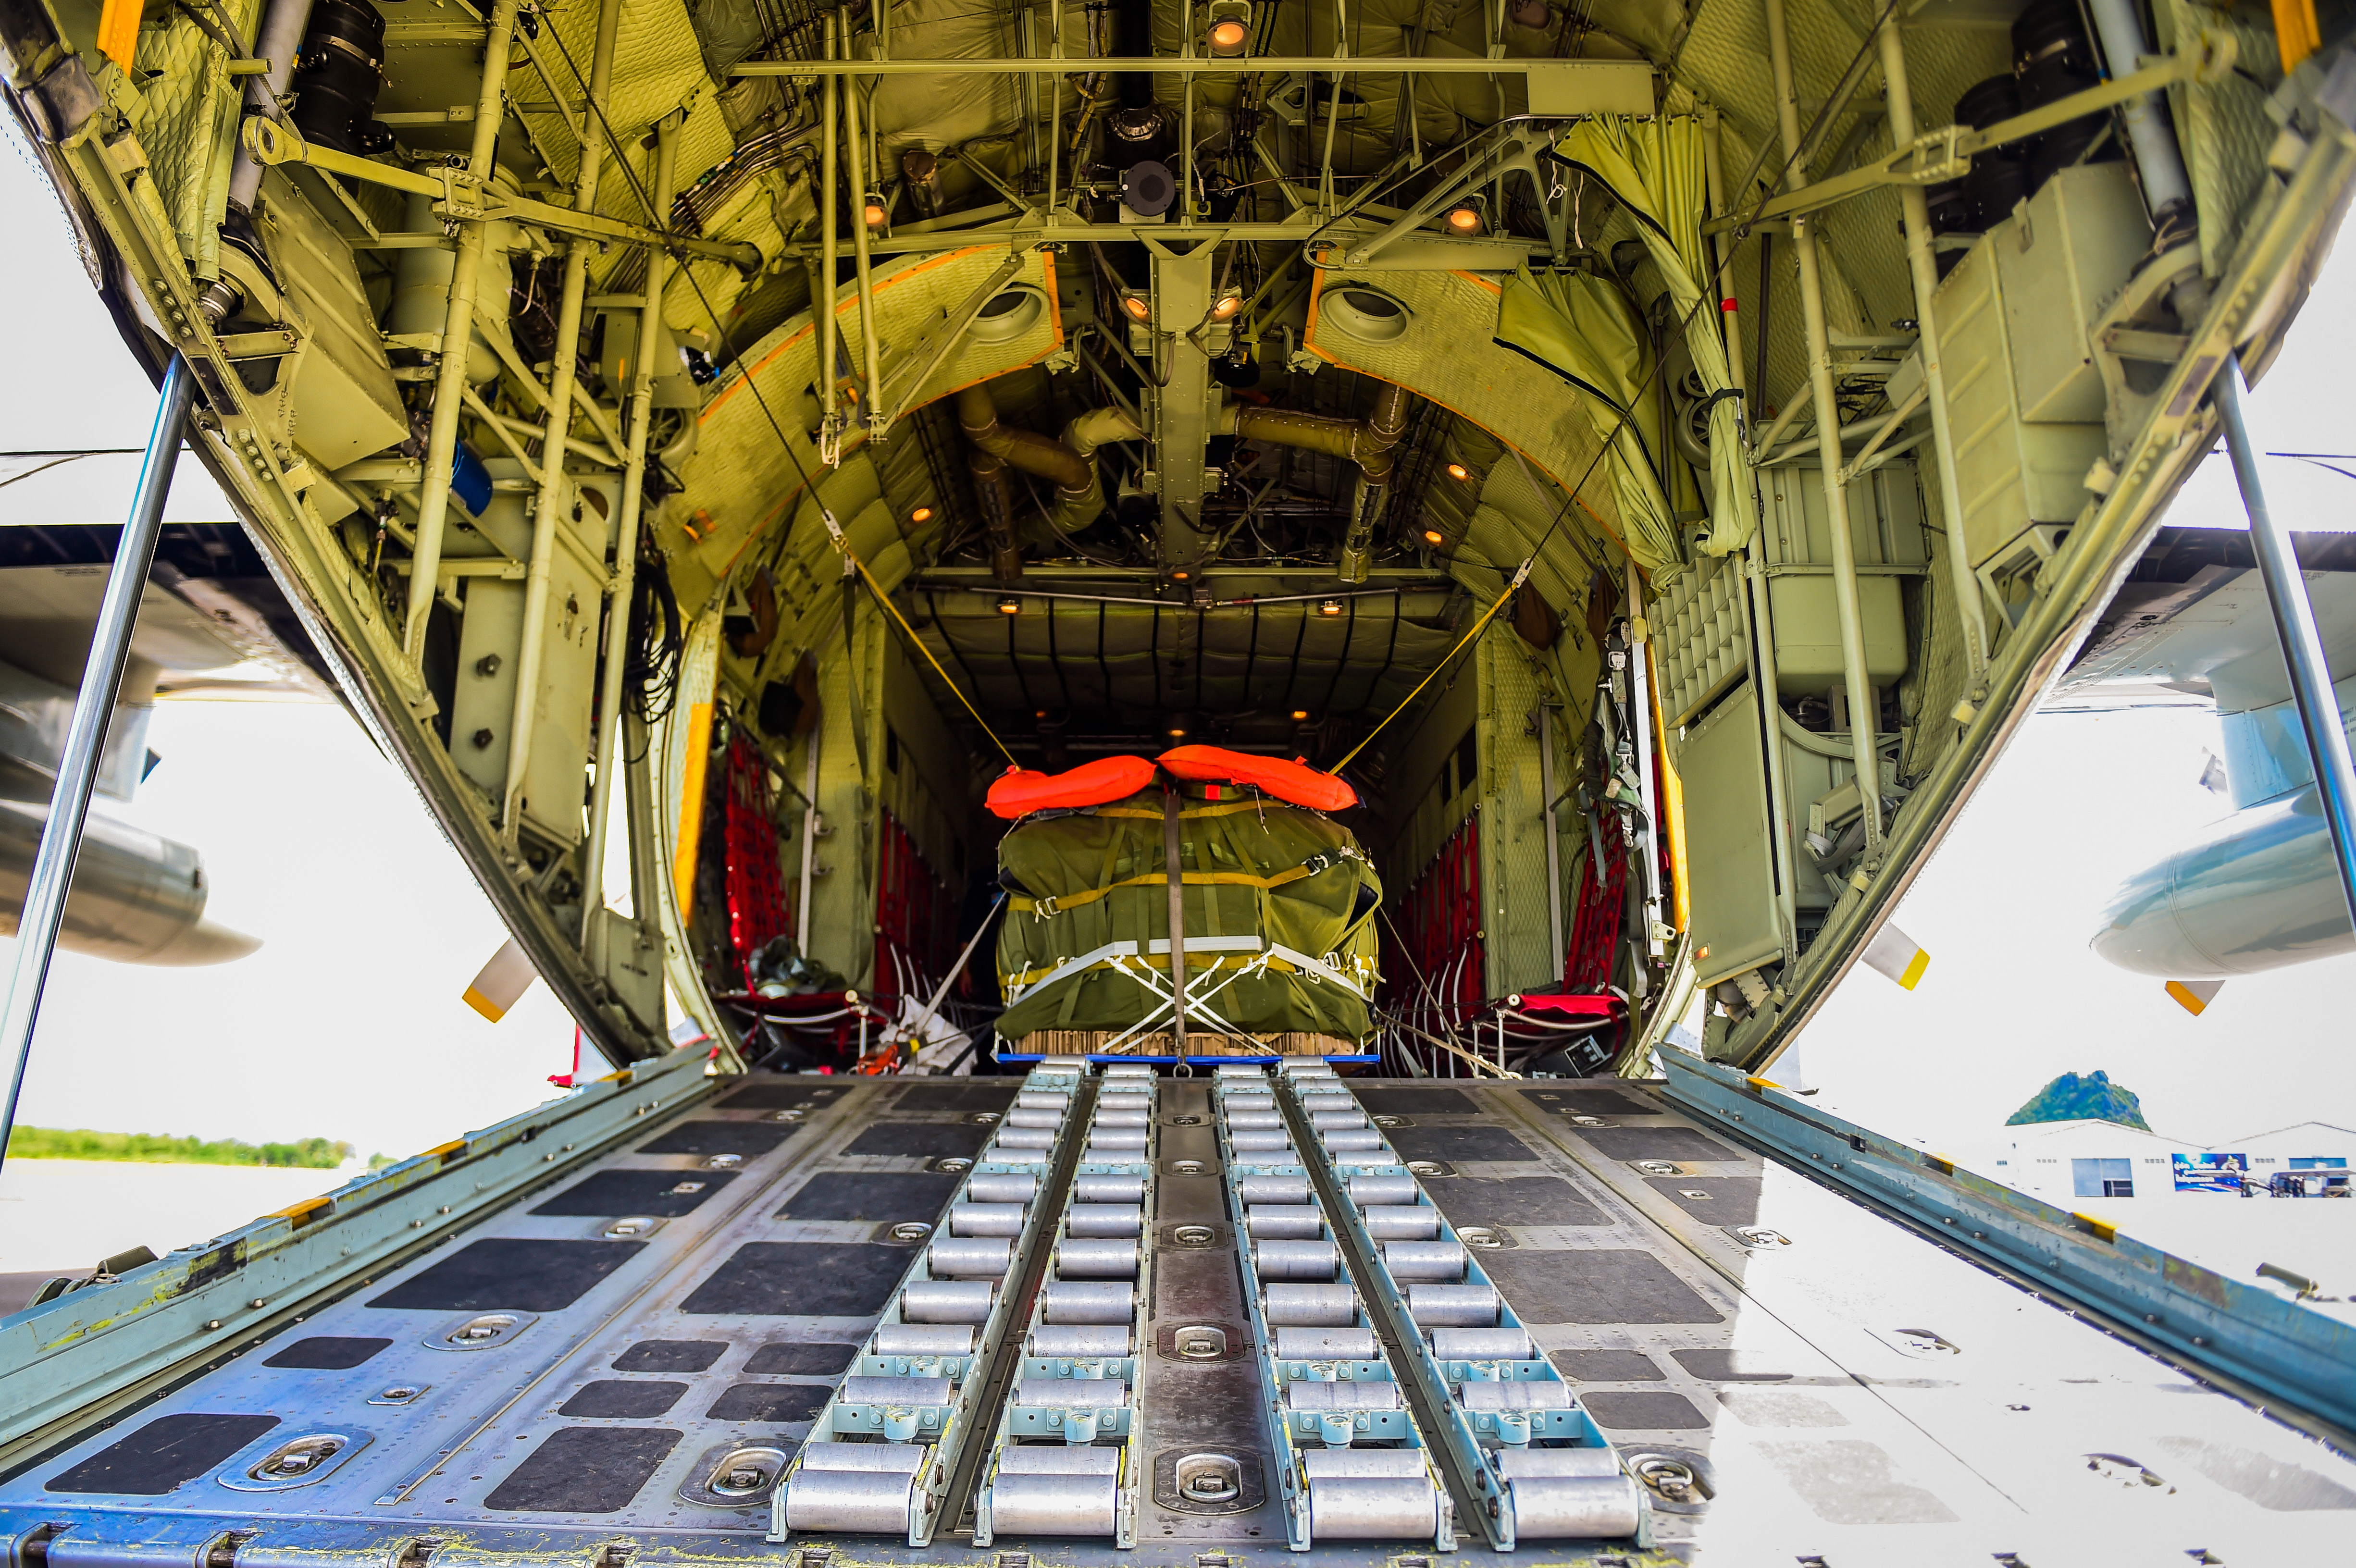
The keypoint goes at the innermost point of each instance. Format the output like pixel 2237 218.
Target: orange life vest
pixel 1019 793
pixel 1295 781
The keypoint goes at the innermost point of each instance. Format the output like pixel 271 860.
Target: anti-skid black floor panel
pixel 1607 1366
pixel 1724 1201
pixel 670 1355
pixel 925 1140
pixel 1730 1366
pixel 783 1094
pixel 1458 1143
pixel 1413 1100
pixel 656 1193
pixel 1644 1410
pixel 1681 1144
pixel 167 1452
pixel 878 1195
pixel 1512 1200
pixel 623 1399
pixel 327 1353
pixel 772 1404
pixel 744 1138
pixel 800 1358
pixel 1589 1102
pixel 925 1099
pixel 801 1279
pixel 510 1274
pixel 585 1470
pixel 1606 1284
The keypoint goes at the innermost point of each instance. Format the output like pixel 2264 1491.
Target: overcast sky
pixel 348 1023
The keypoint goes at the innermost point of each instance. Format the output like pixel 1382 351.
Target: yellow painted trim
pixel 456 1146
pixel 690 808
pixel 118 30
pixel 1913 974
pixel 484 1005
pixel 299 1211
pixel 2103 1230
pixel 1673 801
pixel 2296 33
pixel 2186 998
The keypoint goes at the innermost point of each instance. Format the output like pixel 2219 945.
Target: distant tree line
pixel 81 1143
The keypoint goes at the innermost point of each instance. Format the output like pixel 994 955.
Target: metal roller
pixel 1108 1189
pixel 971 1257
pixel 1103 1137
pixel 1309 1306
pixel 854 1487
pixel 1452 1306
pixel 1482 1345
pixel 1315 1100
pixel 924 1340
pixel 1126 1093
pixel 1570 1494
pixel 1042 1100
pixel 1002 1187
pixel 1070 1394
pixel 986 1219
pixel 1260 1143
pixel 1295 1260
pixel 1122 1117
pixel 1379 1191
pixel 1112 1153
pixel 1322 1120
pixel 1537 1394
pixel 1086 1301
pixel 1285 1221
pixel 1273 1188
pixel 1327 1345
pixel 1104 1220
pixel 1312 1393
pixel 1026 1137
pixel 1081 1341
pixel 1127 1070
pixel 1351 1138
pixel 1295 1060
pixel 947 1300
pixel 1024 1116
pixel 1056 1490
pixel 1238 1069
pixel 1438 1260
pixel 1403 1222
pixel 1354 1508
pixel 897 1391
pixel 1254 1122
pixel 1097 1257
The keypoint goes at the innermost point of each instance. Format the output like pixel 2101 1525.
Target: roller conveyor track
pixel 1351 1461
pixel 882 1455
pixel 1065 1458
pixel 1537 1465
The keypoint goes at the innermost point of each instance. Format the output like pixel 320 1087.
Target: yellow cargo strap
pixel 1057 903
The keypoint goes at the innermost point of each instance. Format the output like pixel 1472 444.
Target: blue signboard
pixel 2211 1172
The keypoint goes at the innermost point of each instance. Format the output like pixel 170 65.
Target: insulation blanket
pixel 1278 915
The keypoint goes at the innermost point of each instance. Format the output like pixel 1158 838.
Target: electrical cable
pixel 826 513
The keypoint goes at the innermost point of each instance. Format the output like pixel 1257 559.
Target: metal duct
pixel 1079 498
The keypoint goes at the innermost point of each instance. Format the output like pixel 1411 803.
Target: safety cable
pixel 752 384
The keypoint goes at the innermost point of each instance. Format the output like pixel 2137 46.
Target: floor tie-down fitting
pixel 1531 1455
pixel 1065 1460
pixel 1351 1462
pixel 879 1454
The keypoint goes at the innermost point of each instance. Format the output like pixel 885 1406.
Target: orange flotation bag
pixel 1018 791
pixel 1295 781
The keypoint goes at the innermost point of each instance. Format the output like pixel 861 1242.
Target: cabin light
pixel 1458 471
pixel 1177 731
pixel 1009 604
pixel 1463 220
pixel 921 514
pixel 1433 536
pixel 1137 308
pixel 1041 713
pixel 1301 715
pixel 1230 29
pixel 1180 574
pixel 1329 607
pixel 1227 38
pixel 1226 306
pixel 877 216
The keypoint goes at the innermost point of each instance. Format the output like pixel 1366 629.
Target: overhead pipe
pixel 1069 464
pixel 860 258
pixel 1370 443
pixel 280 38
pixel 829 203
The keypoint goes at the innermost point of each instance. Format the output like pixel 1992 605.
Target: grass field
pixel 151 1148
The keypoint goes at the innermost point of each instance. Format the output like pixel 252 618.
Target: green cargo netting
pixel 1279 907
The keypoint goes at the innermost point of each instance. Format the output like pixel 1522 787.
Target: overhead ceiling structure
pixel 1625 428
